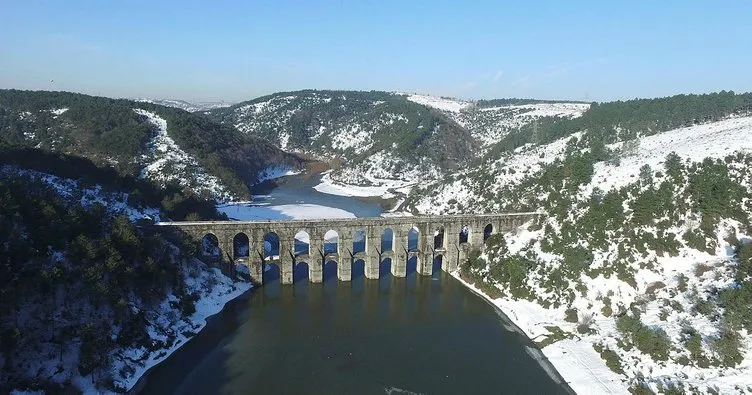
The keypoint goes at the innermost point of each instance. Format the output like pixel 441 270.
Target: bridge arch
pixel 301 272
pixel 487 232
pixel 358 269
pixel 464 235
pixel 438 238
pixel 271 246
pixel 359 241
pixel 210 245
pixel 438 262
pixel 270 272
pixel 385 267
pixel 331 242
pixel 241 246
pixel 330 270
pixel 387 240
pixel 302 243
pixel 413 237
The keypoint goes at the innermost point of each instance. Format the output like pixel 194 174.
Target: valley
pixel 635 279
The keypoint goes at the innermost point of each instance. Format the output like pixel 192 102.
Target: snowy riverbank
pixel 575 359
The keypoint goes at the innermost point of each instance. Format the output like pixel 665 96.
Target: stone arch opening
pixel 358 269
pixel 464 234
pixel 412 239
pixel 438 261
pixel 385 267
pixel 412 265
pixel 300 272
pixel 302 243
pixel 330 271
pixel 387 240
pixel 241 246
pixel 359 241
pixel 210 245
pixel 270 273
pixel 487 232
pixel 331 242
pixel 438 238
pixel 271 246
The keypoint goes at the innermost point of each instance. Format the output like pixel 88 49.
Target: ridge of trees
pixel 625 120
pixel 175 202
pixel 108 131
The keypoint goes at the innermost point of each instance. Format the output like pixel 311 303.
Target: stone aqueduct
pixel 450 237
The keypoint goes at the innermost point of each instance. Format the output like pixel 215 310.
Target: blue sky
pixel 237 50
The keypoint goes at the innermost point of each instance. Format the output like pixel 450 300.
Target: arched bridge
pixel 287 243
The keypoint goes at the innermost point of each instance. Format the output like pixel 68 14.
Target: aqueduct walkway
pixel 373 240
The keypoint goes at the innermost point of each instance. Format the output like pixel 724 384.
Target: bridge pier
pixel 344 263
pixel 399 258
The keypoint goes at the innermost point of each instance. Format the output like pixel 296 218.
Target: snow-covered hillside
pixel 466 191
pixel 166 163
pixel 488 125
pixel 51 349
pixel 604 283
pixel 186 105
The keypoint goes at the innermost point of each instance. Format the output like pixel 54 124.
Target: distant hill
pixel 381 137
pixel 167 145
pixel 186 105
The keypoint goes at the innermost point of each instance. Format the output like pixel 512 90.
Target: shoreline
pixel 210 320
pixel 568 358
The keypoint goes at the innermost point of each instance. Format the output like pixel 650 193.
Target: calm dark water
pixel 414 335
pixel 426 335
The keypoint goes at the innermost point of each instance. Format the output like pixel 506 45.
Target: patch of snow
pixel 250 212
pixel 440 103
pixel 166 162
pixel 271 173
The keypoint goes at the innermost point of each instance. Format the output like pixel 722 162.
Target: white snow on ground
pixel 244 211
pixel 331 187
pixel 695 143
pixel 569 110
pixel 510 169
pixel 59 111
pixel 440 103
pixel 575 360
pixel 167 162
pixel 215 289
pixel 271 173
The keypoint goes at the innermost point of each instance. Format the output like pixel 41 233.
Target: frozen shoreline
pixel 575 360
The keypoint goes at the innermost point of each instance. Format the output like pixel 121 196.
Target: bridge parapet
pixel 255 242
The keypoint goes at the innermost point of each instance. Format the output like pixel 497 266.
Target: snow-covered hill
pixel 380 139
pixel 634 268
pixel 186 105
pixel 165 162
pixel 51 348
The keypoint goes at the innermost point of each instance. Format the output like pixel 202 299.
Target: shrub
pixel 570 315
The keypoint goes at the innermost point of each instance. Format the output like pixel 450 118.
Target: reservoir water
pixel 414 335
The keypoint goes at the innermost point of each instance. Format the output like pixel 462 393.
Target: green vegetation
pixel 649 340
pixel 411 131
pixel 626 120
pixel 69 272
pixel 111 134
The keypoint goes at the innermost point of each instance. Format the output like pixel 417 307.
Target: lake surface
pixel 299 190
pixel 414 335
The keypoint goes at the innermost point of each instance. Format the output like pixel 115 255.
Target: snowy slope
pixel 166 162
pixel 186 105
pixel 666 288
pixel 714 140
